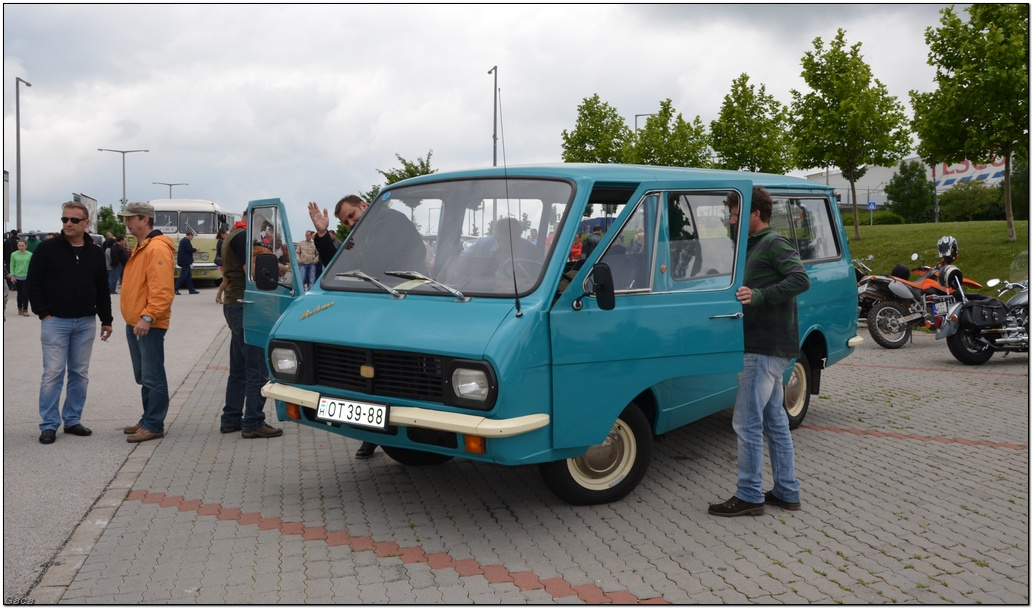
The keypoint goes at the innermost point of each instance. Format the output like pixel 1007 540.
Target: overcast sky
pixel 305 103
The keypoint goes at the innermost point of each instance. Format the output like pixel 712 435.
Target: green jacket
pixel 775 276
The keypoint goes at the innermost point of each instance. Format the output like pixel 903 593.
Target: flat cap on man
pixel 138 209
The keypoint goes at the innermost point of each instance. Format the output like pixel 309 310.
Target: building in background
pixel 871 186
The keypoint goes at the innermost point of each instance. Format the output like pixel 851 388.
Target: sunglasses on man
pixel 65 220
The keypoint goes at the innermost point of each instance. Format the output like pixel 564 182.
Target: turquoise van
pixel 484 344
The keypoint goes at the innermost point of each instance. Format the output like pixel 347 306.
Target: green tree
pixel 980 109
pixel 911 195
pixel 669 141
pixel 751 132
pixel 848 119
pixel 1020 186
pixel 971 200
pixel 599 136
pixel 107 222
pixel 409 169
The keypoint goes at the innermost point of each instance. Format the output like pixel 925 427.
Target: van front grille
pixel 395 373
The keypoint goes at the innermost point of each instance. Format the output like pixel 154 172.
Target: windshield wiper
pixel 359 274
pixel 415 275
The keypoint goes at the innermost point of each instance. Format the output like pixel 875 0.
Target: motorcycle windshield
pixel 487 237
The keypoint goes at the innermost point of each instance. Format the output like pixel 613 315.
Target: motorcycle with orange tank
pixel 899 303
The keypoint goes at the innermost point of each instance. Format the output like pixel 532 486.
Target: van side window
pixel 630 255
pixel 702 250
pixel 807 222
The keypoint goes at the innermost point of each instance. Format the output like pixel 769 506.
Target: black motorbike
pixel 979 326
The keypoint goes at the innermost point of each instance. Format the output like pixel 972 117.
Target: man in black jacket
pixel 68 290
pixel 185 258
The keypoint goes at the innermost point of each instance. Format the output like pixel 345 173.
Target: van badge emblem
pixel 312 312
pixel 366 371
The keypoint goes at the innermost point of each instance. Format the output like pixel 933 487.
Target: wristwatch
pixel 147 318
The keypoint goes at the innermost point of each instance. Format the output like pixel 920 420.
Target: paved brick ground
pixel 915 476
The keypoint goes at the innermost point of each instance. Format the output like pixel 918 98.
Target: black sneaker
pixel 736 507
pixel 264 431
pixel 229 428
pixel 78 430
pixel 48 436
pixel 771 499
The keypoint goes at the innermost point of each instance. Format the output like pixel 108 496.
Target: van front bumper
pixel 406 416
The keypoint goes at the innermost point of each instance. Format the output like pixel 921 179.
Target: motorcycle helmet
pixel 947 246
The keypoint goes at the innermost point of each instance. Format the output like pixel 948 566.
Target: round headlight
pixel 470 384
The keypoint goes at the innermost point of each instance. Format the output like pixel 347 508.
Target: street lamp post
pixel 171 185
pixel 495 118
pixel 18 149
pixel 123 153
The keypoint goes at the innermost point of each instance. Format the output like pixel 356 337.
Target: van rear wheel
pixel 607 471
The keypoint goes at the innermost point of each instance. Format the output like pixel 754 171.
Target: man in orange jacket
pixel 147 289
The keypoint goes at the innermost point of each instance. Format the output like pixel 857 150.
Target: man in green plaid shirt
pixel 774 276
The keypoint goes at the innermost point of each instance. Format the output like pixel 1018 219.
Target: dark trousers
pixel 185 278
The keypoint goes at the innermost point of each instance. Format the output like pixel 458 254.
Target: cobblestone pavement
pixel 914 468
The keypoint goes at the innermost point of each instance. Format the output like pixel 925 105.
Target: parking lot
pixel 915 489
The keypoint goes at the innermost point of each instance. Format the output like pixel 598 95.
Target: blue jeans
pixel 186 276
pixel 147 353
pixel 308 275
pixel 113 276
pixel 247 376
pixel 67 345
pixel 759 414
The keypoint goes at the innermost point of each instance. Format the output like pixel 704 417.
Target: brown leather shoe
pixel 736 507
pixel 143 435
pixel 264 431
pixel 128 429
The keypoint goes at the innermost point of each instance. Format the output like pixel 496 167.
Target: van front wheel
pixel 607 471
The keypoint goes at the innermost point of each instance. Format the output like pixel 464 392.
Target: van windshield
pixel 483 237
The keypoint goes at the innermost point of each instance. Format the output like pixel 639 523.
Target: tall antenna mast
pixel 495 118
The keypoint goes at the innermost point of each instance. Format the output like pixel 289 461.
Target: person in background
pixel 18 272
pixel 146 303
pixel 32 241
pixel 10 245
pixel 307 259
pixel 220 237
pixel 185 258
pixel 773 279
pixel 244 410
pixel 68 288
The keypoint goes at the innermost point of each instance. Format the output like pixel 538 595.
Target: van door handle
pixel 242 301
pixel 738 315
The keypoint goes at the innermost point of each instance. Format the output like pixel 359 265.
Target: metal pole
pixel 123 153
pixel 171 185
pixel 495 118
pixel 18 150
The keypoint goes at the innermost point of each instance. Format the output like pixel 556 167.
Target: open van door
pixel 273 280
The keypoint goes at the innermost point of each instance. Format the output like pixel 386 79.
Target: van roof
pixel 600 172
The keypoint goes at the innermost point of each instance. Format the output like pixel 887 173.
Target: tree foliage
pixel 599 136
pixel 980 109
pixel 911 194
pixel 751 132
pixel 971 200
pixel 669 141
pixel 848 119
pixel 107 222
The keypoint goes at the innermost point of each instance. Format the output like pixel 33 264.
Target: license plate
pixel 940 308
pixel 360 414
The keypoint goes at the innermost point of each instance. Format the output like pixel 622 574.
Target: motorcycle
pixel 901 303
pixel 979 326
pixel 861 270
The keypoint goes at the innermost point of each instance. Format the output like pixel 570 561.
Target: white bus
pixel 176 217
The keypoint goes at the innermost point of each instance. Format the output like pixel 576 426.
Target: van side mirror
pixel 602 288
pixel 267 271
